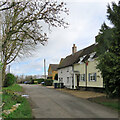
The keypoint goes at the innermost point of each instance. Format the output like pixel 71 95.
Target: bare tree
pixel 3 5
pixel 22 27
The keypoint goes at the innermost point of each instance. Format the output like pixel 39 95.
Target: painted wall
pixel 49 71
pixel 52 73
pixel 64 74
pixel 91 68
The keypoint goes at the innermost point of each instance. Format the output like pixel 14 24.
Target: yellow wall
pixel 91 68
pixel 51 73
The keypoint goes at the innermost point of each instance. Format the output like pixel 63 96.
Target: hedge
pixel 10 79
pixel 48 82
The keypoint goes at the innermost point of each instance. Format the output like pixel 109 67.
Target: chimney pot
pixel 74 49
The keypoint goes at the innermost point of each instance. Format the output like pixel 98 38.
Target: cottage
pixel 52 71
pixel 78 70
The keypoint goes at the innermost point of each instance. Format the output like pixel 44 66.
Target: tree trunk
pixel 3 73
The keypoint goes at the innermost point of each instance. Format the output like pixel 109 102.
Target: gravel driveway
pixel 50 103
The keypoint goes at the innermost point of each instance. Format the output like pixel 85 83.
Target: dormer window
pixel 81 59
pixel 91 56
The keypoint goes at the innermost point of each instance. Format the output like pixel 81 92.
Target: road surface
pixel 50 103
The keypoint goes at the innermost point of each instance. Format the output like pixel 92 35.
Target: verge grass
pixel 109 102
pixel 14 88
pixel 10 98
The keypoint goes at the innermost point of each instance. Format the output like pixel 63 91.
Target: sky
pixel 85 19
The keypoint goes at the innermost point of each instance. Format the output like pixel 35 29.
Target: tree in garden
pixel 108 51
pixel 56 76
pixel 22 26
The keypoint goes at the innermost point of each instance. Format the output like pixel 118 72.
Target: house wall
pixel 49 71
pixel 81 69
pixel 91 68
pixel 64 74
pixel 53 74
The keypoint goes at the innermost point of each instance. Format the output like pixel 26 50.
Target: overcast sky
pixel 85 19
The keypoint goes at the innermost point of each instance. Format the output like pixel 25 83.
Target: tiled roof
pixel 74 58
pixel 54 67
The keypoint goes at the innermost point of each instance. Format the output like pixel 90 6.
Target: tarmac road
pixel 50 103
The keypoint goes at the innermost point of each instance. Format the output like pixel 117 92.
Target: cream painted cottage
pixel 78 70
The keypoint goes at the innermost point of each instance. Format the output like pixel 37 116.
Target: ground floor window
pixel 61 80
pixel 82 77
pixel 92 76
pixel 67 79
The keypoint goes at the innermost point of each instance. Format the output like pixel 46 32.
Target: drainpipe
pixel 86 64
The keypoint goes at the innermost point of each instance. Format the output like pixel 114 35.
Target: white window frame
pixel 91 56
pixel 81 77
pixel 81 58
pixel 92 77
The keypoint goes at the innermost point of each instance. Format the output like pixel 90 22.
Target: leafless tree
pixel 22 26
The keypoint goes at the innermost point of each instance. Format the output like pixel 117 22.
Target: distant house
pixel 52 71
pixel 79 69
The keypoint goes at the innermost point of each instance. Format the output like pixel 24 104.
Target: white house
pixel 79 69
pixel 65 69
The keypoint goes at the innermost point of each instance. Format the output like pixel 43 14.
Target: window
pixel 91 56
pixel 81 59
pixel 92 76
pixel 60 80
pixel 67 69
pixel 67 79
pixel 82 77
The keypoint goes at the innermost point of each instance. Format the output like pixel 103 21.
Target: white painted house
pixel 65 76
pixel 79 69
pixel 65 69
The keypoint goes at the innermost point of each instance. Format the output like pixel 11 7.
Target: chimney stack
pixel 74 49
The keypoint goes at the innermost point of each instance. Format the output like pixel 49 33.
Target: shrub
pixel 48 82
pixel 56 76
pixel 10 79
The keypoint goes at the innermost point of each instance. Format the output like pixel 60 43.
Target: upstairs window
pixel 91 56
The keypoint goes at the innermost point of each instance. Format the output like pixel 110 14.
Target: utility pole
pixel 9 69
pixel 86 64
pixel 45 68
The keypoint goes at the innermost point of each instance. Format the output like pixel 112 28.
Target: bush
pixel 56 76
pixel 48 82
pixel 10 79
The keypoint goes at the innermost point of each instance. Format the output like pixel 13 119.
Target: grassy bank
pixel 11 97
pixel 109 102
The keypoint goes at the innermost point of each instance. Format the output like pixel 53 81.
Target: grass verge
pixel 14 88
pixel 109 102
pixel 10 98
